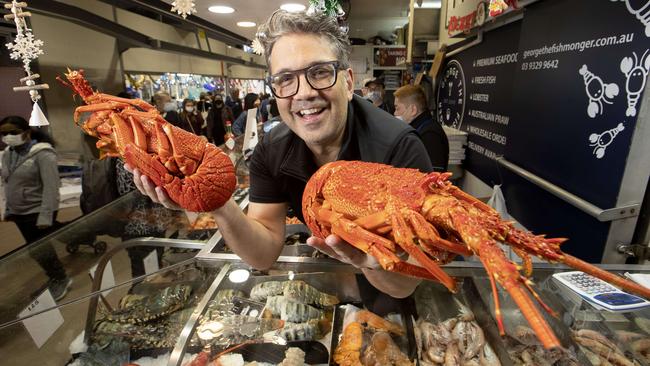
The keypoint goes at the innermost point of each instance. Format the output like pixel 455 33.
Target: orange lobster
pixel 195 174
pixel 378 208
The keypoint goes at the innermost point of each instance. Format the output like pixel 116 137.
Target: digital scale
pixel 599 293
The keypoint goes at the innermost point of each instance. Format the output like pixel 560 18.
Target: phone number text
pixel 540 65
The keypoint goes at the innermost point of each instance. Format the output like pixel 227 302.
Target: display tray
pixel 344 314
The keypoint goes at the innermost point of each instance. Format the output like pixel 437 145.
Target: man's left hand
pixel 337 248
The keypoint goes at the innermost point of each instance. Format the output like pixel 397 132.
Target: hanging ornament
pixel 257 47
pixel 499 6
pixel 184 7
pixel 26 48
pixel 331 8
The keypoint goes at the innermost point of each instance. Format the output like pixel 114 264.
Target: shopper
pixel 274 113
pixel 167 108
pixel 251 100
pixel 204 104
pixel 411 107
pixel 376 93
pixel 219 114
pixel 31 183
pixel 323 122
pixel 234 103
pixel 263 111
pixel 191 119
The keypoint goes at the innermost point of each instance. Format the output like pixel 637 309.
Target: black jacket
pixel 282 163
pixel 434 139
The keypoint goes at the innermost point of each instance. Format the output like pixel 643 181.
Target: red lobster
pixel 195 174
pixel 378 208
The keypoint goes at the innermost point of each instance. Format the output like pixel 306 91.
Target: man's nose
pixel 305 91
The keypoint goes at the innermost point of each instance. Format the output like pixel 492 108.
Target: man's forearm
pixel 393 284
pixel 248 238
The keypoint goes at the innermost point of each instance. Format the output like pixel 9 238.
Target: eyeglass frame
pixel 337 68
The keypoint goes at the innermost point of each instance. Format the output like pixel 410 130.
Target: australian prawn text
pixel 580 46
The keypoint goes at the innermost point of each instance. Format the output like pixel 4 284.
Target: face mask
pixel 400 118
pixel 374 96
pixel 189 109
pixel 218 103
pixel 13 140
pixel 169 106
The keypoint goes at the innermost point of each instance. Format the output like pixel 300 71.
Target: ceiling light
pixel 431 4
pixel 220 9
pixel 246 24
pixel 291 7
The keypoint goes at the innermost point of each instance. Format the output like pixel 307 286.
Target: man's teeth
pixel 306 112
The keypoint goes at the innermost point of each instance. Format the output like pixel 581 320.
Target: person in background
pixel 219 114
pixel 204 104
pixel 167 108
pixel 274 113
pixel 323 121
pixel 235 103
pixel 411 107
pixel 251 100
pixel 191 120
pixel 377 94
pixel 31 179
pixel 263 111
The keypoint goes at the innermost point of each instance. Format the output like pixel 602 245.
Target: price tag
pixel 41 327
pixel 108 279
pixel 151 262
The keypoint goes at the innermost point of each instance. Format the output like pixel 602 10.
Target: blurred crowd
pixel 208 115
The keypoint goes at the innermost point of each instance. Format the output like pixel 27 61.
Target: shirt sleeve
pixel 240 124
pixel 263 188
pixel 49 172
pixel 410 152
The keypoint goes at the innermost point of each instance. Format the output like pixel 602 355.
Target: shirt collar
pixel 421 120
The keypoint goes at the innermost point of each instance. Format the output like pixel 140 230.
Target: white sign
pixel 108 279
pixel 250 134
pixel 151 262
pixel 41 327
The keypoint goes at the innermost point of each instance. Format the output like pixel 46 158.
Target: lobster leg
pixel 375 245
pixel 96 108
pixel 504 272
pixel 404 238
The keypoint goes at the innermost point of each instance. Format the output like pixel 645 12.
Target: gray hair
pixel 282 22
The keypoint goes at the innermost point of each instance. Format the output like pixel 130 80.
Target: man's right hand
pixel 146 187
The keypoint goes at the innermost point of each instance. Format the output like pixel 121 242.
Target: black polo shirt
pixel 434 139
pixel 282 163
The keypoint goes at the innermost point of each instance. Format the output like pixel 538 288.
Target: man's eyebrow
pixel 306 67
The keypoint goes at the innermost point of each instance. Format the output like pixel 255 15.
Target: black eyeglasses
pixel 12 132
pixel 319 76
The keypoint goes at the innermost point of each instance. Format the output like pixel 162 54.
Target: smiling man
pixel 308 60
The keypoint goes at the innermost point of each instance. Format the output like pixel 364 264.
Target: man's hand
pixel 336 248
pixel 146 187
pixel 391 283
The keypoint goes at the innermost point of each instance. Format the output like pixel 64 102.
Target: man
pixel 217 117
pixel 167 108
pixel 411 107
pixel 376 93
pixel 323 122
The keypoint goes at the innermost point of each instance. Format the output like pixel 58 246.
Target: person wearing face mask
pixel 377 94
pixel 31 179
pixel 217 117
pixel 411 107
pixel 167 108
pixel 191 119
pixel 251 100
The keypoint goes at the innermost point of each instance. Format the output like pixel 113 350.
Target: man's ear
pixel 349 82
